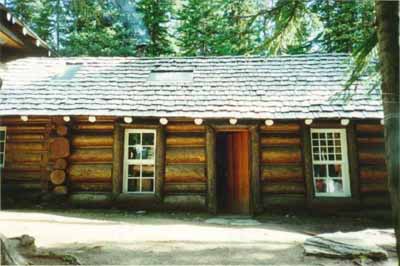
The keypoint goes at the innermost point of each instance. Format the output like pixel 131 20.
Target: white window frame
pixel 3 141
pixel 344 162
pixel 128 162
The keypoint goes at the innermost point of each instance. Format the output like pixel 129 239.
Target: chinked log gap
pixel 59 150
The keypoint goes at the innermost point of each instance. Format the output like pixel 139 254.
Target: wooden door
pixel 238 179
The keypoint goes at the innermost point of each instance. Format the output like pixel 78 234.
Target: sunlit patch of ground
pixel 118 237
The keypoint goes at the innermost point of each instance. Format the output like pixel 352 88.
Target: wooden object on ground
pixel 9 251
pixel 346 245
pixel 57 177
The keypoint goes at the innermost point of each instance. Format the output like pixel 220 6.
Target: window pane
pixel 2 134
pixel 148 153
pixel 147 185
pixel 148 170
pixel 133 170
pixel 133 185
pixel 320 185
pixel 335 170
pixel 336 185
pixel 331 157
pixel 314 135
pixel 1 159
pixel 148 139
pixel 1 146
pixel 319 170
pixel 329 135
pixel 134 138
pixel 134 153
pixel 337 135
pixel 338 157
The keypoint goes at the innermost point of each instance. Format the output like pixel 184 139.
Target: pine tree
pixel 156 15
pixel 198 30
pixel 346 24
pixel 96 28
pixel 236 34
pixel 23 9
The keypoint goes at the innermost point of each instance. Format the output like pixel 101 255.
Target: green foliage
pixel 291 32
pixel 346 24
pixel 24 9
pixel 204 27
pixel 156 16
pixel 196 33
pixel 218 27
pixel 96 30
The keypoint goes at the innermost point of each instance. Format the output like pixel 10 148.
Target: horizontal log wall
pixel 372 168
pixel 282 175
pixel 90 162
pixel 26 154
pixel 185 160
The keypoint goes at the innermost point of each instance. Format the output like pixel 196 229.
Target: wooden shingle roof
pixel 282 87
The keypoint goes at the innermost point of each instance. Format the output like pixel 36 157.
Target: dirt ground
pixel 114 237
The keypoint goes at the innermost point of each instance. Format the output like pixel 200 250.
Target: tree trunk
pixel 387 17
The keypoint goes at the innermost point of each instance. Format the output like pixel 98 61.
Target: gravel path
pixel 120 238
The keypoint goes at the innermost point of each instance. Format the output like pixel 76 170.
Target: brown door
pixel 235 189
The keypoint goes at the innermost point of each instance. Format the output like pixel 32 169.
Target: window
pixel 2 146
pixel 139 162
pixel 330 163
pixel 171 76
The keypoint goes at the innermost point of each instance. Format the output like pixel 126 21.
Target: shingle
pixel 283 87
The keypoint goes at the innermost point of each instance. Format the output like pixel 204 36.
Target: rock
pixel 349 245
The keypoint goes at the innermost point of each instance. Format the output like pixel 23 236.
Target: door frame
pixel 254 164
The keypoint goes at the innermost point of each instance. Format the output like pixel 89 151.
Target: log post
pixel 255 169
pixel 62 130
pixel 353 161
pixel 60 164
pixel 308 172
pixel 57 177
pixel 60 190
pixel 59 150
pixel 211 176
pixel 117 159
pixel 160 162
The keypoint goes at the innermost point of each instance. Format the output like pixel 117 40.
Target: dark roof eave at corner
pixel 11 17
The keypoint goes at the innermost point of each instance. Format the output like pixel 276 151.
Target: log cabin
pixel 219 134
pixel 17 39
